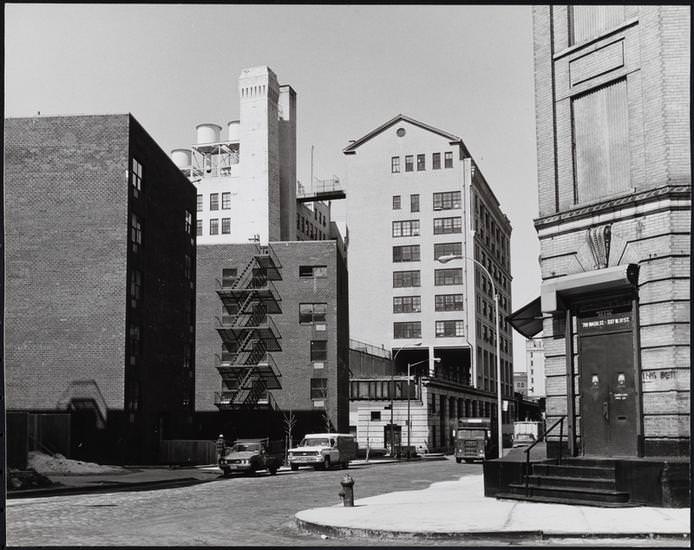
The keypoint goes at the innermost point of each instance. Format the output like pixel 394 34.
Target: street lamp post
pixel 448 258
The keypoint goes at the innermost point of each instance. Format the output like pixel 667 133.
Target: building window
pixel 135 232
pixel 420 163
pixel 601 143
pixel 198 228
pixel 214 226
pixel 226 226
pixel 447 249
pixel 319 388
pixel 407 304
pixel 436 161
pixel 229 276
pixel 447 201
pixel 375 415
pixel 410 329
pixel 448 159
pixel 312 313
pixel 135 340
pixel 404 279
pixel 409 163
pixel 406 228
pixel 448 302
pixel 395 165
pixel 136 177
pixel 199 203
pixel 319 350
pixel 313 271
pixel 189 223
pixel 187 267
pixel 135 287
pixel 443 226
pixel 214 201
pixel 588 22
pixel 443 277
pixel 409 253
pixel 396 202
pixel 226 201
pixel 449 328
pixel 414 203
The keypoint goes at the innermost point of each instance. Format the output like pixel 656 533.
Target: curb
pixel 108 487
pixel 510 536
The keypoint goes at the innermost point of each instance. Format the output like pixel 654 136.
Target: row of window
pixel 305 227
pixel 414 203
pixel 442 277
pixel 214 226
pixel 421 162
pixel 447 200
pixel 442 329
pixel 214 201
pixel 411 252
pixel 442 226
pixel 382 390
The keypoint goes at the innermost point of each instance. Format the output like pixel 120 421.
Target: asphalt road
pixel 235 511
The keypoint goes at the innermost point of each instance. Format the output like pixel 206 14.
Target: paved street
pixel 237 511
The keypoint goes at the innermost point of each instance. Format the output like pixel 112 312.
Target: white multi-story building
pixel 416 196
pixel 246 174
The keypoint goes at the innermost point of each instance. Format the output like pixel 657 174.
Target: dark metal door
pixel 607 386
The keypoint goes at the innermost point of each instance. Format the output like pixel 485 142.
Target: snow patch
pixel 58 464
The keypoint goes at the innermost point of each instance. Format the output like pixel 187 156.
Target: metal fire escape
pixel 250 336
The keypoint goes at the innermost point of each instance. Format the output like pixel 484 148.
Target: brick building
pixel 614 175
pixel 417 203
pixel 295 318
pixel 100 287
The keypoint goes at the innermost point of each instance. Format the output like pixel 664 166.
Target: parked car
pixel 323 451
pixel 252 455
pixel 523 440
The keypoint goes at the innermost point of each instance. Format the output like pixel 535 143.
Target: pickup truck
pixel 323 451
pixel 252 455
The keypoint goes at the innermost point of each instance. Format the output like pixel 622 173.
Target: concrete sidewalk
pixel 459 509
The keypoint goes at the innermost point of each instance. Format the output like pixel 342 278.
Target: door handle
pixel 606 410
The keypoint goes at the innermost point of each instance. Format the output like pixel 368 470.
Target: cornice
pixel 635 199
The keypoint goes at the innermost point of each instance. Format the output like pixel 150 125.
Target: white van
pixel 323 451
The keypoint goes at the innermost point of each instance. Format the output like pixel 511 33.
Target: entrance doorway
pixel 392 445
pixel 607 384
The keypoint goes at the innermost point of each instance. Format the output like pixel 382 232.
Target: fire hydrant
pixel 347 493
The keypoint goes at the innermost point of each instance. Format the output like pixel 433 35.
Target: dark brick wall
pixel 66 235
pixel 67 200
pixel 293 360
pixel 166 312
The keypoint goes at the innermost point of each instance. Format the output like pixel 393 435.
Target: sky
pixel 465 69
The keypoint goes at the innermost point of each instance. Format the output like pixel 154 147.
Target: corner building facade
pixel 100 288
pixel 416 196
pixel 612 104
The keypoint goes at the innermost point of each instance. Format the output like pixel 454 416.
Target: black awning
pixel 528 319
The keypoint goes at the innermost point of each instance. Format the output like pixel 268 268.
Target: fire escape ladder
pixel 251 334
pixel 245 276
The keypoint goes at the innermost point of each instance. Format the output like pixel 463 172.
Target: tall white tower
pixel 259 150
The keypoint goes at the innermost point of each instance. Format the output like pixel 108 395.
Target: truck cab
pixel 473 439
pixel 323 451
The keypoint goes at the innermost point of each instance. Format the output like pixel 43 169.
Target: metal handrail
pixel 541 438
